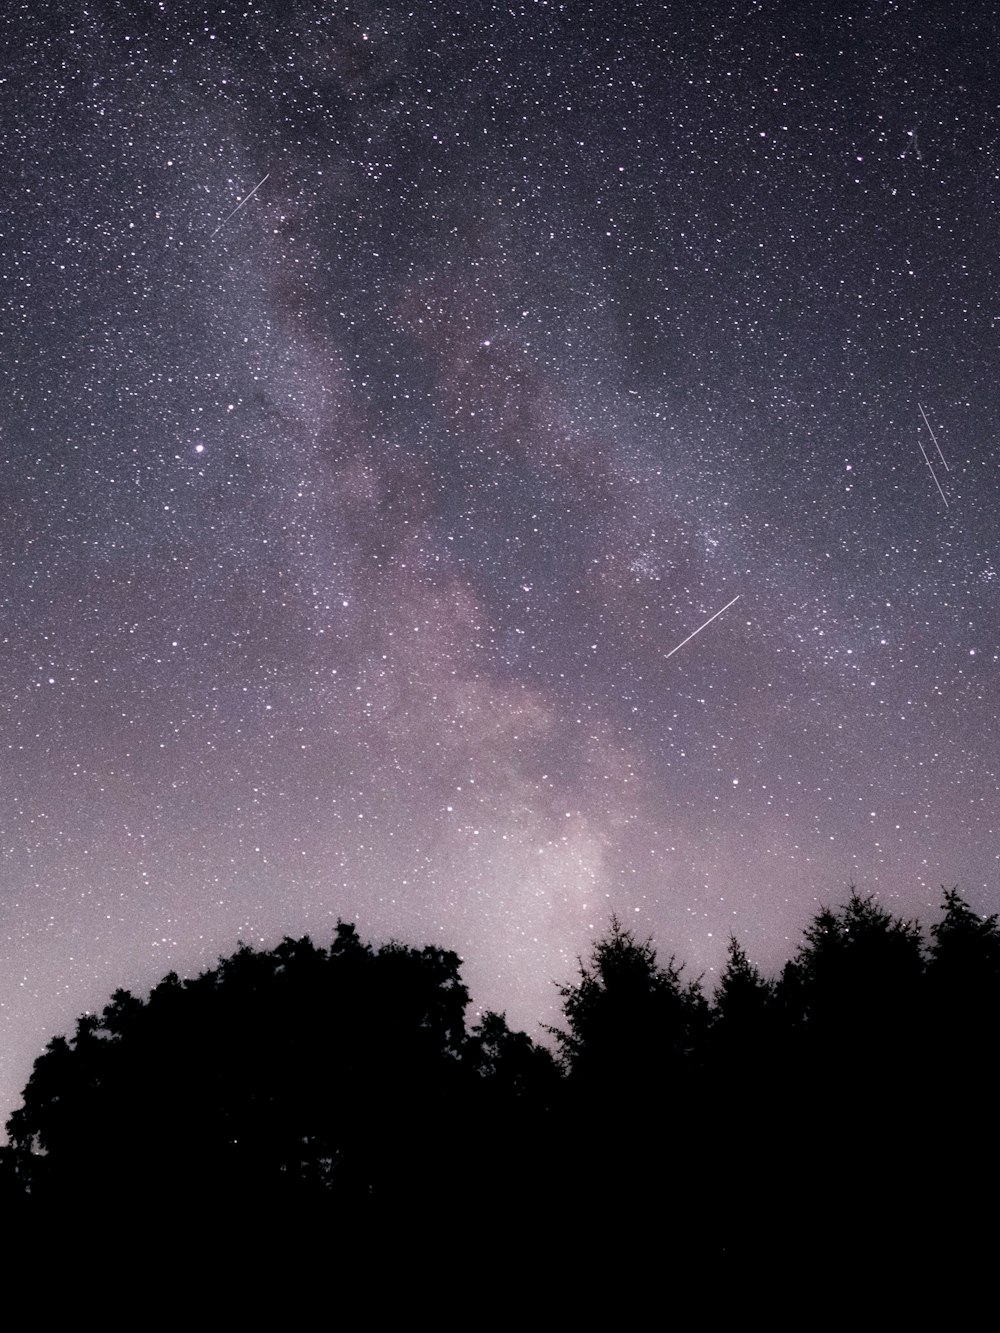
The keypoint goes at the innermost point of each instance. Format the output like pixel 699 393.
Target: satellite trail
pixel 933 473
pixel 934 438
pixel 700 628
pixel 237 208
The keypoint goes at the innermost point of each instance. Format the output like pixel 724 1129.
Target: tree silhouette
pixel 633 1031
pixel 855 984
pixel 743 1001
pixel 630 1021
pixel 509 1063
pixel 965 958
pixel 852 1005
pixel 339 1090
pixel 964 1004
pixel 283 1078
pixel 960 1060
pixel 742 1047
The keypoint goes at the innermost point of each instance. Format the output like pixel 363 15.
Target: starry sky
pixel 348 528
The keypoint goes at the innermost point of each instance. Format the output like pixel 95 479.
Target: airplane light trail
pixel 237 208
pixel 701 627
pixel 934 438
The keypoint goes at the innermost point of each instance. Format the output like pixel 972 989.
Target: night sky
pixel 346 536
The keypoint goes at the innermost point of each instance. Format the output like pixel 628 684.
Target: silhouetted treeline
pixel 340 1090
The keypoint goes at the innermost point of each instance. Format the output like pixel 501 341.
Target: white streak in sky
pixel 237 208
pixel 933 473
pixel 934 438
pixel 700 628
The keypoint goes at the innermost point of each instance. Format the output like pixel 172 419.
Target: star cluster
pixel 350 527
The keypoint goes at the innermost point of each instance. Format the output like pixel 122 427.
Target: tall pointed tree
pixel 630 1020
pixel 964 975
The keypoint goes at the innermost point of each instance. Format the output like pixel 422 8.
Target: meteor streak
pixel 237 208
pixel 701 627
pixel 934 438
pixel 933 474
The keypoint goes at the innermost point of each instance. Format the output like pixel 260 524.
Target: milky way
pixel 389 390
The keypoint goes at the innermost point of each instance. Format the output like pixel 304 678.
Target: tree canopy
pixel 629 1019
pixel 343 1084
pixel 281 1074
